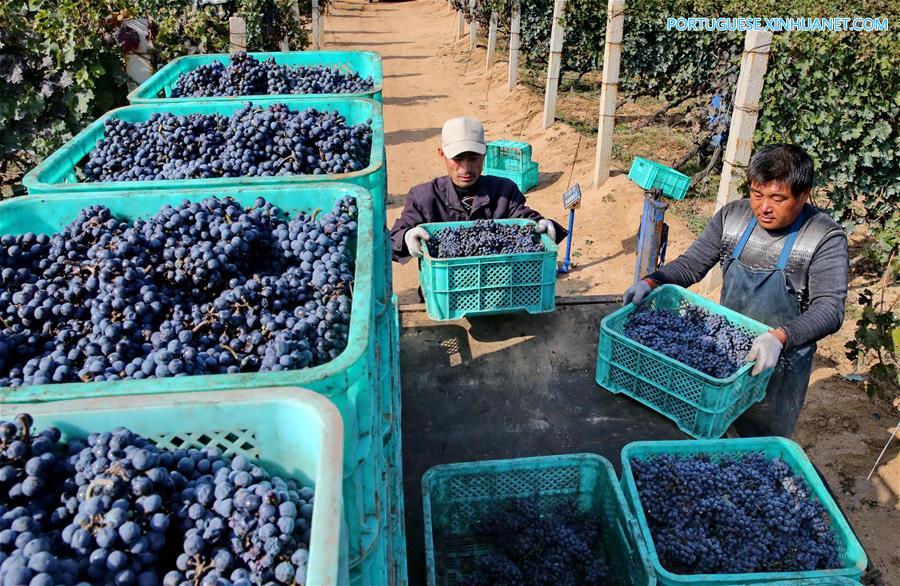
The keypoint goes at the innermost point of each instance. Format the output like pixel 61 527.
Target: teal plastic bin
pixel 487 285
pixel 291 432
pixel 56 173
pixel 346 379
pixel 852 554
pixel 652 175
pixel 508 155
pixel 455 496
pixel 159 86
pixel 524 180
pixel 703 406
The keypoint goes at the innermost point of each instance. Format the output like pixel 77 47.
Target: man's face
pixel 464 169
pixel 774 204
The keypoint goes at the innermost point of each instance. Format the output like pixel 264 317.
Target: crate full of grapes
pixel 763 514
pixel 487 267
pixel 237 487
pixel 543 520
pixel 683 356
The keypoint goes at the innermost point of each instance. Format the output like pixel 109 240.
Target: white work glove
pixel 548 227
pixel 765 351
pixel 414 238
pixel 636 293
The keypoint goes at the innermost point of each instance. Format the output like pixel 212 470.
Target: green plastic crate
pixel 524 180
pixel 56 173
pixel 508 155
pixel 292 432
pixel 455 496
pixel 347 380
pixel 702 405
pixel 486 285
pixel 852 554
pixel 652 175
pixel 159 86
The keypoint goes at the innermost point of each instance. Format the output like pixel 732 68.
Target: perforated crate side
pixel 852 553
pixel 667 374
pixel 455 496
pixel 508 155
pixel 291 432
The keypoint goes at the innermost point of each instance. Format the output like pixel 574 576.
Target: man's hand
pixel 414 238
pixel 548 227
pixel 636 293
pixel 765 351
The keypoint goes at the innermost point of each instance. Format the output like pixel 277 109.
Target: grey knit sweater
pixel 816 270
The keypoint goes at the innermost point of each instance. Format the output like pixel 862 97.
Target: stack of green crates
pixel 512 160
pixel 363 381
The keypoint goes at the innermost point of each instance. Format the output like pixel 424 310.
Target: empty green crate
pixel 652 175
pixel 508 155
pixel 524 180
pixel 702 405
pixel 852 554
pixel 291 432
pixel 159 86
pixel 484 285
pixel 456 496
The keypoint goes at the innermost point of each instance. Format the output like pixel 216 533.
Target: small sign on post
pixel 571 201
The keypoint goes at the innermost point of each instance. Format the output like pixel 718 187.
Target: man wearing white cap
pixel 463 194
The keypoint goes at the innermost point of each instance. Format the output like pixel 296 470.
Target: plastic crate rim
pixel 697 446
pixel 359 327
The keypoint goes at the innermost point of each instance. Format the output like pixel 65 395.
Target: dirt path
pixel 429 78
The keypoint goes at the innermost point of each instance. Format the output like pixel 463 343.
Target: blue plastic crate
pixel 508 155
pixel 852 554
pixel 524 180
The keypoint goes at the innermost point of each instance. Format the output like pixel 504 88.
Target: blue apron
pixel 763 294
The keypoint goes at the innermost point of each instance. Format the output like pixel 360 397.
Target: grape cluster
pixel 693 336
pixel 207 287
pixel 733 515
pixel 531 548
pixel 113 508
pixel 248 76
pixel 252 142
pixel 484 237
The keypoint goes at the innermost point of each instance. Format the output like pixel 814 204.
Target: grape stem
pixel 97 482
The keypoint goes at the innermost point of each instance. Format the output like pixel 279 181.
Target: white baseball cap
pixel 462 135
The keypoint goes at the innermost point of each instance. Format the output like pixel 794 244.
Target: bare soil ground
pixel 429 77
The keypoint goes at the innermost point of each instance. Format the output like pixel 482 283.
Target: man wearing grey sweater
pixel 784 263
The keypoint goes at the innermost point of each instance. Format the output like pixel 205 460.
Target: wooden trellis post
pixel 557 35
pixel 615 21
pixel 515 23
pixel 473 26
pixel 754 63
pixel 316 26
pixel 492 41
pixel 237 34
